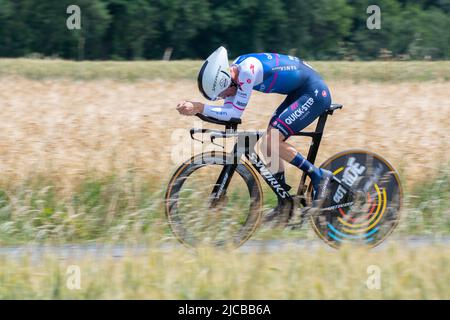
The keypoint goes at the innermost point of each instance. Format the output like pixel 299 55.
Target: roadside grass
pixel 107 209
pixel 377 71
pixel 129 208
pixel 429 206
pixel 288 273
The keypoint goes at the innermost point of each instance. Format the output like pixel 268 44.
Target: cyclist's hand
pixel 189 108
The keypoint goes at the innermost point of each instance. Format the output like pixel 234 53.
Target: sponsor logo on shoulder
pixel 284 68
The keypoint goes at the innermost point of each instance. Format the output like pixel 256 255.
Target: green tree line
pixel 145 29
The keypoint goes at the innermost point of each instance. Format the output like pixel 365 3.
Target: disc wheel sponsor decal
pixel 367 213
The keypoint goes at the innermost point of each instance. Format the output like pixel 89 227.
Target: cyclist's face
pixel 230 92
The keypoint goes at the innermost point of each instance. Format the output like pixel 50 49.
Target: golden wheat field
pixel 65 128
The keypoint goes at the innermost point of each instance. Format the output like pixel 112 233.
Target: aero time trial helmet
pixel 214 76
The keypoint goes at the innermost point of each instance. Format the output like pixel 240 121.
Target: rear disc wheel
pixel 368 214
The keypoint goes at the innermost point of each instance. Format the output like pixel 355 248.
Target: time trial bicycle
pixel 216 197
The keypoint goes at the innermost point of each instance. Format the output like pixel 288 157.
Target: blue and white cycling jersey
pixel 269 73
pixel 277 73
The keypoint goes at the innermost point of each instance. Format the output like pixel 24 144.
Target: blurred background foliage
pixel 145 29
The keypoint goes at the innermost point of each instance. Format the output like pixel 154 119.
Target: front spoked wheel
pixel 196 217
pixel 369 210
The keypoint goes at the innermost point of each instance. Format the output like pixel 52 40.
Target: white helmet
pixel 214 76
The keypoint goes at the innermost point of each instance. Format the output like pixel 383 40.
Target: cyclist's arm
pixel 233 106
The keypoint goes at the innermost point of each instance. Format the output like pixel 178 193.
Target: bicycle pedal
pixel 296 220
pixel 274 219
pixel 294 226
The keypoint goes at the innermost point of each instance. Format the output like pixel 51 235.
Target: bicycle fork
pixel 222 183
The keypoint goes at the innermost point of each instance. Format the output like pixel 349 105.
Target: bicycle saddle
pixel 334 106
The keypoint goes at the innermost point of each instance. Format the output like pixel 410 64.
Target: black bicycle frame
pixel 273 183
pixel 250 153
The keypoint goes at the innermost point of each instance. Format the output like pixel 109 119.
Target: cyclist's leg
pixel 276 163
pixel 295 118
pixel 277 167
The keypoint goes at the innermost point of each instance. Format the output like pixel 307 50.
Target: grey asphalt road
pixel 73 251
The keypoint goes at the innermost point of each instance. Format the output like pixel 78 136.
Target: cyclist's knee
pixel 280 129
pixel 273 140
pixel 275 134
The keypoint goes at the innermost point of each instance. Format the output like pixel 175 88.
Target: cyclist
pixel 307 97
